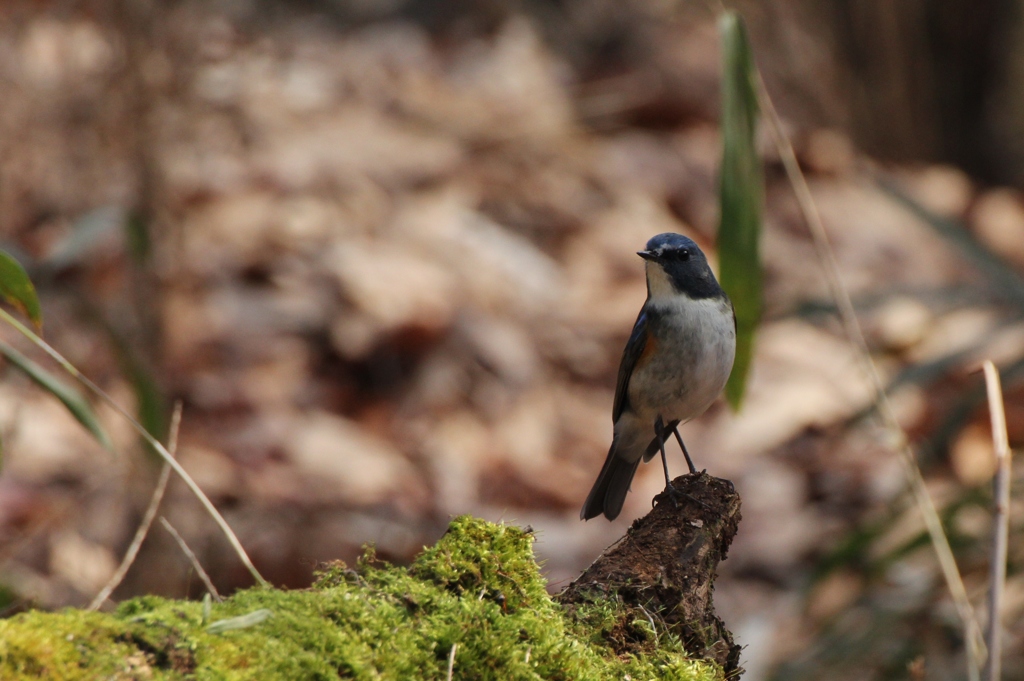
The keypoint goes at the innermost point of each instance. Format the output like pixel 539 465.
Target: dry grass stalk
pixel 147 518
pixel 848 316
pixel 1000 520
pixel 152 441
pixel 192 558
pixel 451 661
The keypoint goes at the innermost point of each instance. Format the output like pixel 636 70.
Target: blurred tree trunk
pixel 924 76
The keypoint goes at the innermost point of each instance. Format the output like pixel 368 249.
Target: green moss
pixel 478 589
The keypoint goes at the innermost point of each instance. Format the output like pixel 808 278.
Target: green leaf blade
pixel 241 622
pixel 741 194
pixel 17 289
pixel 71 398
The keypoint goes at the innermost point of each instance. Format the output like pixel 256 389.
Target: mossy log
pixel 473 606
pixel 665 566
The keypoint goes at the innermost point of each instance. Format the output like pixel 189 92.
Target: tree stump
pixel 666 564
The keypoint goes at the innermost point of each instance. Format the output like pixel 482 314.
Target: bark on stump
pixel 666 565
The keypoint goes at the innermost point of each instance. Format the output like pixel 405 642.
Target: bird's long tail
pixel 609 492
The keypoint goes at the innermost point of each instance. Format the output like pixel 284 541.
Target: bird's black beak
pixel 648 255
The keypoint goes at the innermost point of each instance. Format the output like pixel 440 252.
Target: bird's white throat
pixel 659 286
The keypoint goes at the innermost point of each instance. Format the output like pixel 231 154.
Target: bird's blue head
pixel 677 265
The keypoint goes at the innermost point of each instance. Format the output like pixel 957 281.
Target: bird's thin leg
pixel 659 432
pixel 679 438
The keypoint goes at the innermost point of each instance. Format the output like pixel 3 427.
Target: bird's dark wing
pixel 635 347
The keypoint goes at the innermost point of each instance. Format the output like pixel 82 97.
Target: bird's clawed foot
pixel 675 494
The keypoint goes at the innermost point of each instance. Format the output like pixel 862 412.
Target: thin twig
pixel 848 316
pixel 451 661
pixel 1000 521
pixel 657 639
pixel 147 518
pixel 192 558
pixel 170 460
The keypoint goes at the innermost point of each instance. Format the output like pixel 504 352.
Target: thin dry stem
pixel 153 442
pixel 147 517
pixel 192 558
pixel 848 316
pixel 1000 521
pixel 451 661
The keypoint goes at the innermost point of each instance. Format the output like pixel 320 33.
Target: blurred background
pixel 383 252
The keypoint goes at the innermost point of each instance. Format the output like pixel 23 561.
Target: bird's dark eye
pixel 684 254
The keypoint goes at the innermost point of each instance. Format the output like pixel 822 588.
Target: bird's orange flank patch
pixel 650 347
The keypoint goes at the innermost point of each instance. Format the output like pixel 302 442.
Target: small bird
pixel 675 364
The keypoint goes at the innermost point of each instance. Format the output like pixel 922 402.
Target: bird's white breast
pixel 695 344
